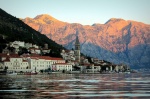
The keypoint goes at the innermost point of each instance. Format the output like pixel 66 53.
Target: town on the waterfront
pixel 36 63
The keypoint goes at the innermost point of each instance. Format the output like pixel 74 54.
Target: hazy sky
pixel 85 12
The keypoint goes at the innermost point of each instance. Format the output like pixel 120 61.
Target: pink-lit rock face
pixel 128 38
pixel 114 35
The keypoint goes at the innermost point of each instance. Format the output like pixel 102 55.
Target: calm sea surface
pixel 75 86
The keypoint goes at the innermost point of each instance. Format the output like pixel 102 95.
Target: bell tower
pixel 77 49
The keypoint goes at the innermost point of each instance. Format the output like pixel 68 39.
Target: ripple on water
pixel 76 86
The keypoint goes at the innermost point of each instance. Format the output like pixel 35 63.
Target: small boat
pixel 12 73
pixel 31 73
pixel 127 72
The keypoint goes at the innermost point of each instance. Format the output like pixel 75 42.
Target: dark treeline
pixel 13 29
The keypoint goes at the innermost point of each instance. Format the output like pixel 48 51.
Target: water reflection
pixel 75 86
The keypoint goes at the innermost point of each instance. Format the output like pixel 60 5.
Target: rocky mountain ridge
pixel 117 40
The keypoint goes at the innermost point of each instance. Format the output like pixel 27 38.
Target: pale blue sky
pixel 86 12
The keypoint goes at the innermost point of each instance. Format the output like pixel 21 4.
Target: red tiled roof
pixel 34 58
pixel 46 58
pixel 10 55
pixel 35 55
pixel 6 60
pixel 25 55
pixel 97 64
pixel 15 57
pixel 61 64
pixel 3 55
pixel 52 58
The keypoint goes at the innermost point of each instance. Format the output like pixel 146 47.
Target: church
pixel 72 55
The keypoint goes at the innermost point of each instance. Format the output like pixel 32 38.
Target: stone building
pixel 77 49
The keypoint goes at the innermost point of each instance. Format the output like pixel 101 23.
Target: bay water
pixel 76 86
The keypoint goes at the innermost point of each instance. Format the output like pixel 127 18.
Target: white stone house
pixel 62 67
pixel 97 68
pixel 39 63
pixel 16 44
pixel 119 68
pixel 27 63
pixel 86 67
pixel 16 63
pixel 35 46
pixel 94 68
pixel 34 50
pixel 68 55
pixel 44 51
pixel 28 45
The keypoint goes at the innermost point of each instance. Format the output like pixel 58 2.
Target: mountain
pixel 12 28
pixel 118 40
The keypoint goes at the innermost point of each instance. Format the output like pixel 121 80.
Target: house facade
pixel 27 63
pixel 43 62
pixel 62 67
pixel 14 63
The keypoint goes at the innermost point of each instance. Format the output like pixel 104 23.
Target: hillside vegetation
pixel 13 29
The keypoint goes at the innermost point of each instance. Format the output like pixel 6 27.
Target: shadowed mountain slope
pixel 12 28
